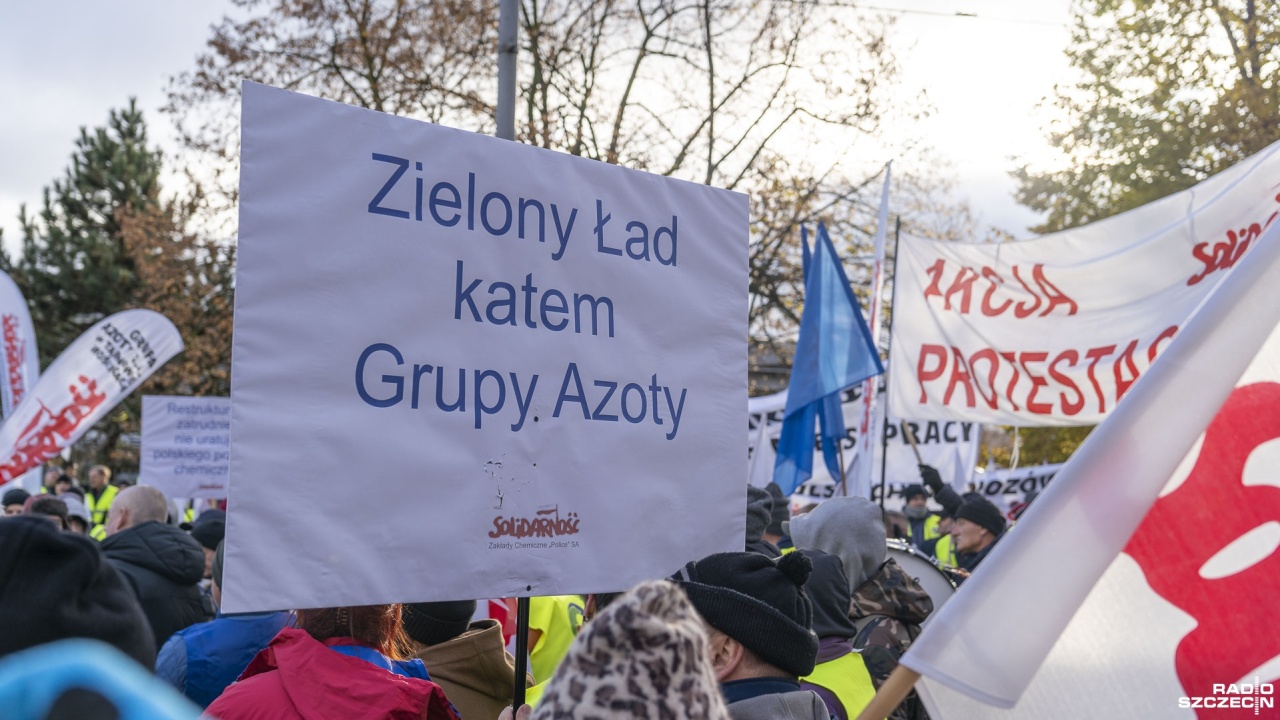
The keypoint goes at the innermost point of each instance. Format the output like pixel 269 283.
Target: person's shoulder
pixel 797 705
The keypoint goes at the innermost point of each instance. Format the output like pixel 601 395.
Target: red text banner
pixel 1055 330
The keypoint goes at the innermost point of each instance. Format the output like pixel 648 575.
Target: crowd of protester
pixel 109 595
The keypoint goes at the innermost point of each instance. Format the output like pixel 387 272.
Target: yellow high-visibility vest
pixel 931 530
pixel 98 508
pixel 945 553
pixel 847 677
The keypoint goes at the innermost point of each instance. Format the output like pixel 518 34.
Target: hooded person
pixel 78 518
pixel 759 512
pixel 840 676
pixel 468 660
pixel 56 585
pixel 338 663
pixel 162 564
pixel 761 632
pixel 646 655
pixel 886 604
pixel 203 659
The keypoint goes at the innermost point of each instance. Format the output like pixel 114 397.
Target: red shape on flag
pixel 1234 631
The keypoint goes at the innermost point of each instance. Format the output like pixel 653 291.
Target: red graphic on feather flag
pixel 15 353
pixel 1235 624
pixel 48 432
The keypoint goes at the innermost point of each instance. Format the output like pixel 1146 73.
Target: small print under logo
pixel 1253 696
pixel 546 523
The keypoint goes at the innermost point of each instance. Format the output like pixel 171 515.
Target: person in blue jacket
pixel 203 659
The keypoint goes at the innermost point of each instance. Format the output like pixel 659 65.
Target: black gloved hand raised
pixel 929 474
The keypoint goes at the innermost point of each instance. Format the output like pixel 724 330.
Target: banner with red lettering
pixel 19 361
pixel 88 379
pixel 1055 330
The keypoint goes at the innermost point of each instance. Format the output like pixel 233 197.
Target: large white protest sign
pixel 950 446
pixel 1055 330
pixel 186 443
pixel 87 380
pixel 465 367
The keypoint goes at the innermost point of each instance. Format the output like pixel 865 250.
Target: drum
pixel 921 567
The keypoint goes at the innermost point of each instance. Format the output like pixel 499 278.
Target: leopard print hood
pixel 644 656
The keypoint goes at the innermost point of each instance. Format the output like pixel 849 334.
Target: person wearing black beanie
pixel 761 626
pixel 977 528
pixel 56 585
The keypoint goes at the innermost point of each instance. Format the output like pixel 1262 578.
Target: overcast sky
pixel 65 64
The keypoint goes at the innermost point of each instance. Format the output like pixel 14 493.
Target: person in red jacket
pixel 339 663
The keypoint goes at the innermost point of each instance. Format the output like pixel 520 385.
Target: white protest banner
pixel 1055 330
pixel 951 447
pixel 1006 488
pixel 19 361
pixel 186 445
pixel 1143 582
pixel 474 368
pixel 87 380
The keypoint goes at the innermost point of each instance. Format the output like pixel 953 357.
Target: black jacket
pixel 163 566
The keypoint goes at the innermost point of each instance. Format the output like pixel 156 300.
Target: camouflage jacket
pixel 888 609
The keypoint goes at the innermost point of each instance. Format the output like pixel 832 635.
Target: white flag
pixel 871 415
pixel 1058 623
pixel 87 380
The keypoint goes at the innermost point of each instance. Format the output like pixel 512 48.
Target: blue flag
pixel 834 351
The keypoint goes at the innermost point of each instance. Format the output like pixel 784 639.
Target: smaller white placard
pixel 186 445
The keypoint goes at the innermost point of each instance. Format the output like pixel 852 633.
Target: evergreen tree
pixel 104 242
pixel 74 269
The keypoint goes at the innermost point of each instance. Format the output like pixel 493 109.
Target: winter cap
pixel 851 528
pixel 828 590
pixel 207 516
pixel 76 508
pixel 56 585
pixel 15 496
pixel 913 490
pixel 781 510
pixel 759 504
pixel 209 534
pixel 981 512
pixel 758 601
pixel 646 656
pixel 432 623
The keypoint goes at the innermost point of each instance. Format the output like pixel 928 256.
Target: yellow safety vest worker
pixel 99 532
pixel 558 618
pixel 98 507
pixel 847 677
pixel 931 530
pixel 945 553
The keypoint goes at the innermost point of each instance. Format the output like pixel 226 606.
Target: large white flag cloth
pixel 1058 623
pixel 89 378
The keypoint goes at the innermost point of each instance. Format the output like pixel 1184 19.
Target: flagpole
pixel 893 299
pixel 844 490
pixel 890 695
